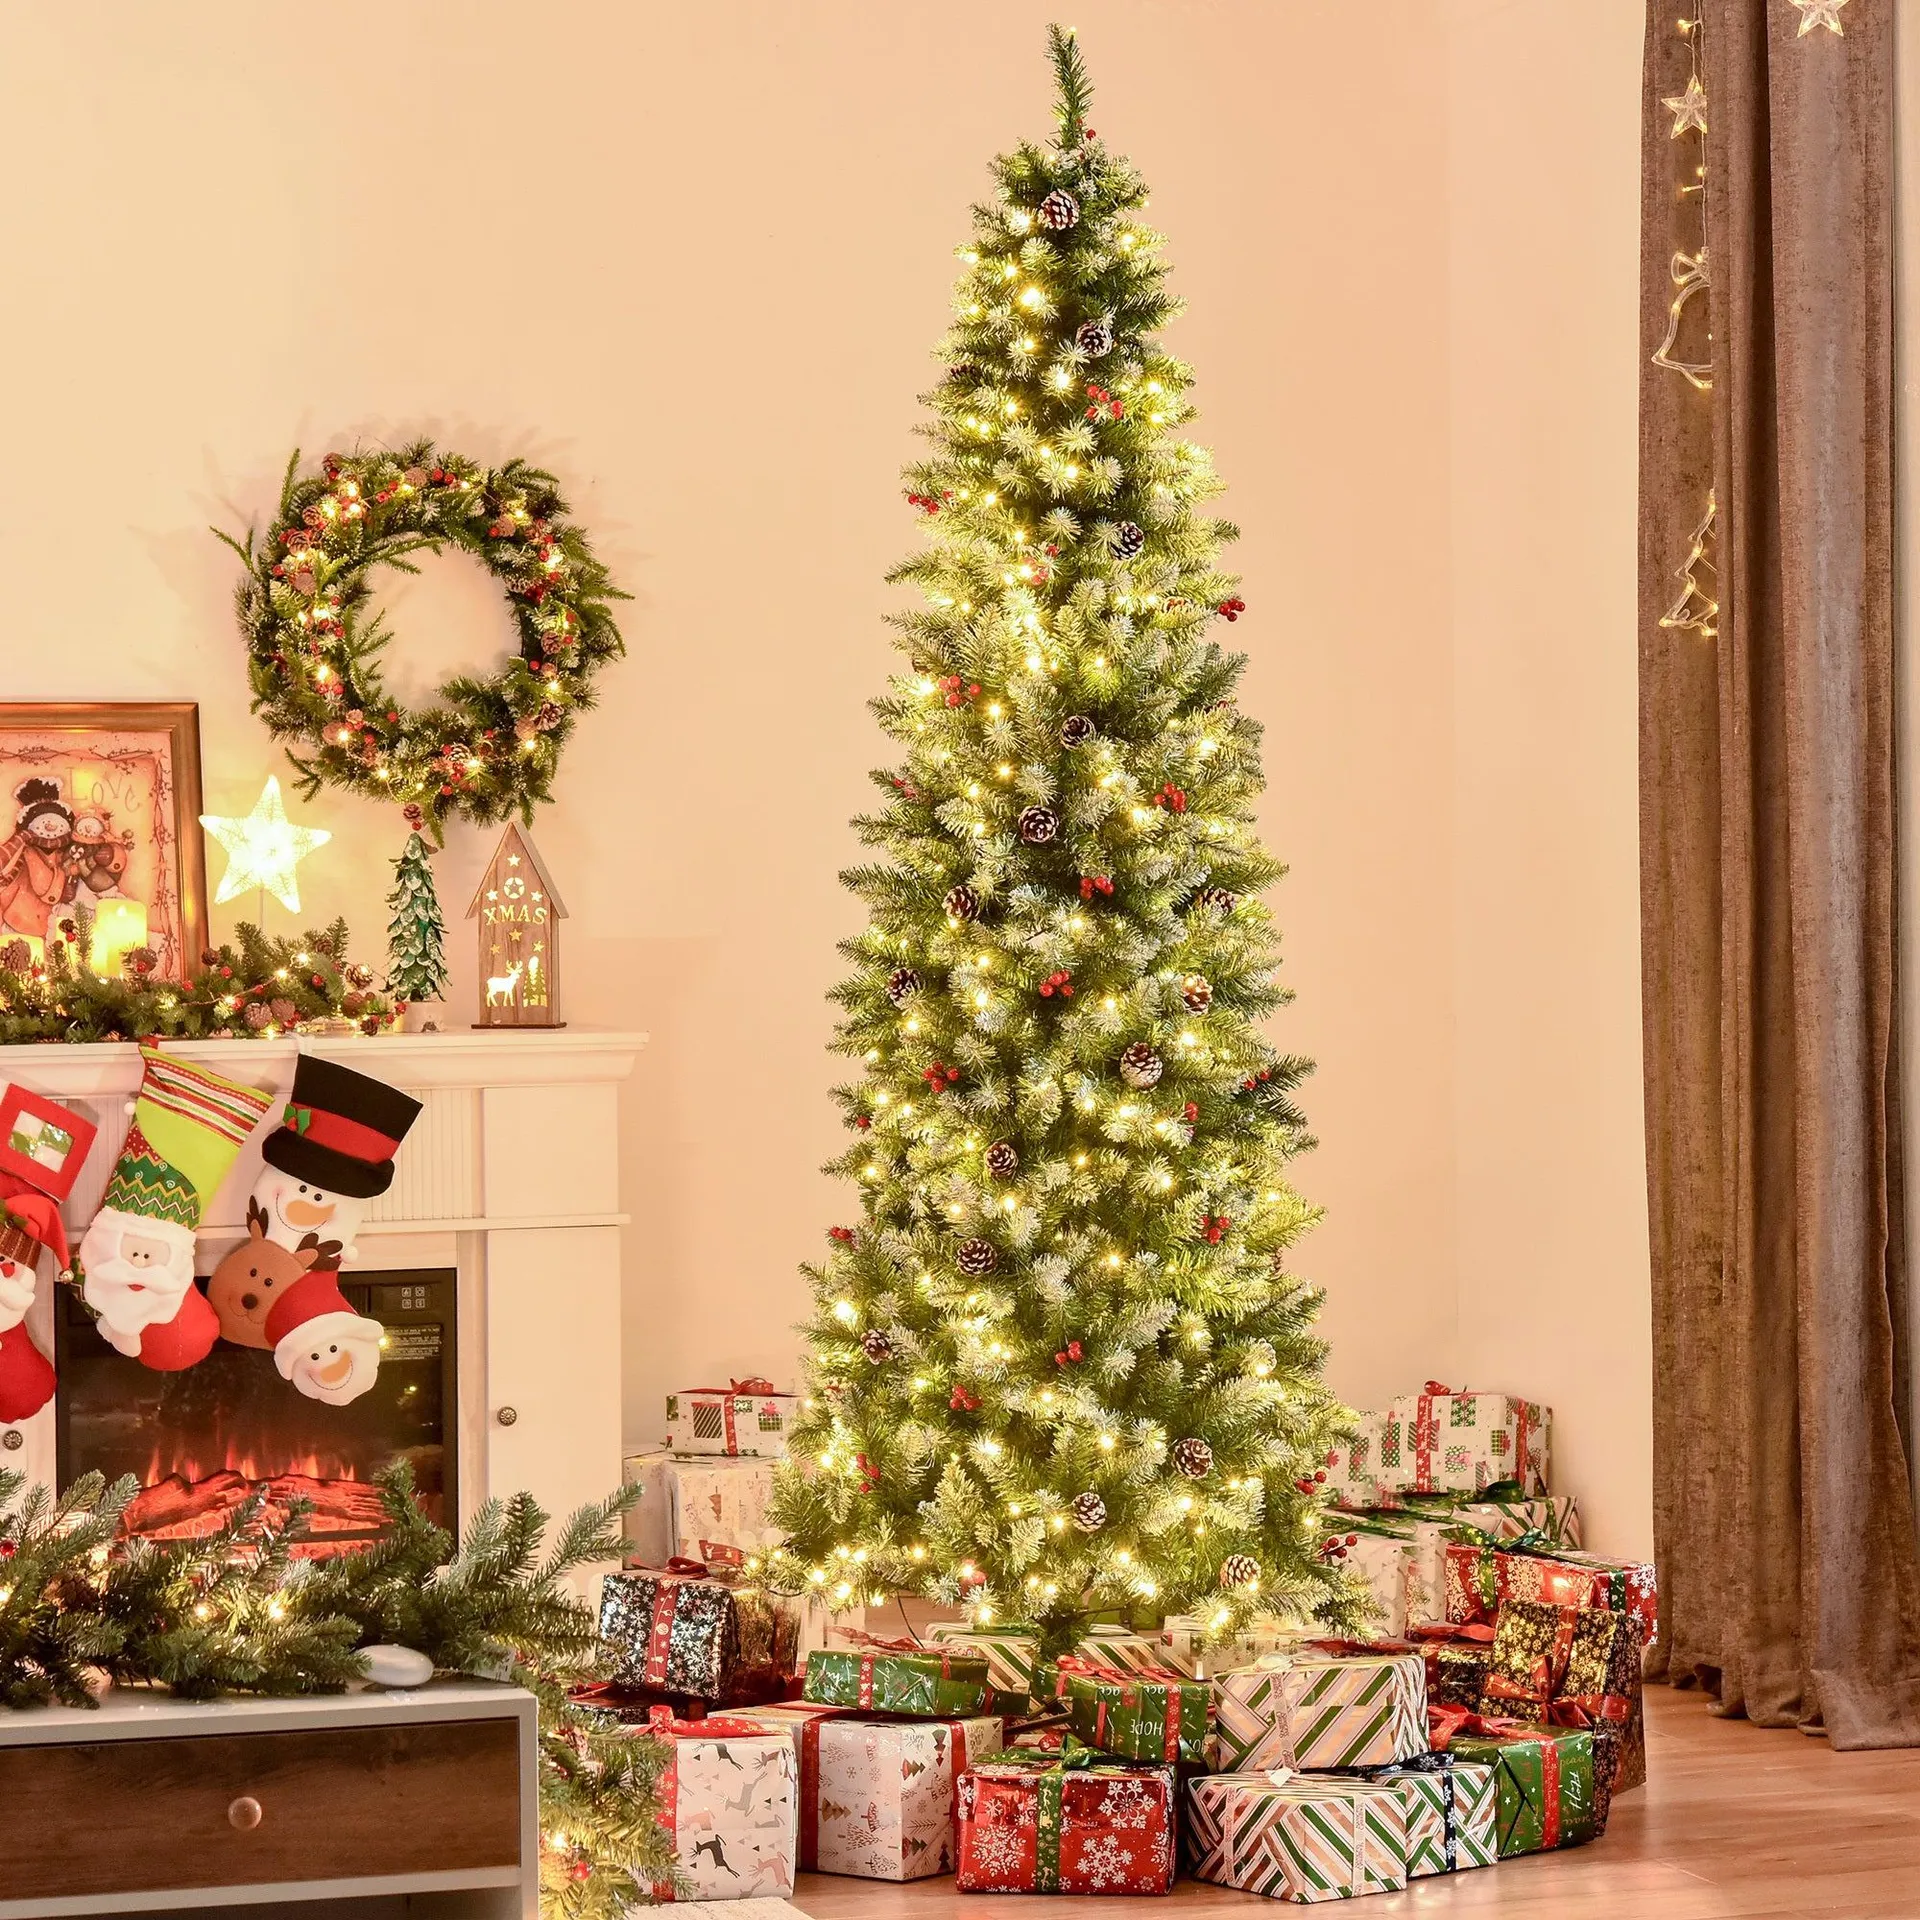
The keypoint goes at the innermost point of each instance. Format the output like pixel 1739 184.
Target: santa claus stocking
pixel 137 1257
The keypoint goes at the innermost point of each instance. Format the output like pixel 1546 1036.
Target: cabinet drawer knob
pixel 507 1416
pixel 244 1814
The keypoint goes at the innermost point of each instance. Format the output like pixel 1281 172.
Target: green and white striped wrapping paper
pixel 1296 1838
pixel 1451 1807
pixel 1012 1653
pixel 1309 1709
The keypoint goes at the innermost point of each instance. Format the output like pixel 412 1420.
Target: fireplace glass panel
pixel 199 1440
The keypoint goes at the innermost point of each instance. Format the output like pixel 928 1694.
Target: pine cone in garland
pixel 1194 1458
pixel 902 984
pixel 1141 1067
pixel 1239 1570
pixel 1076 730
pixel 1094 339
pixel 1221 900
pixel 1197 991
pixel 257 1016
pixel 976 1257
pixel 1038 825
pixel 1128 539
pixel 877 1345
pixel 1089 1512
pixel 1003 1160
pixel 961 903
pixel 1059 211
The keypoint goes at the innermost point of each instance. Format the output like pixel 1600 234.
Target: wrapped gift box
pixel 1452 1809
pixel 1602 1682
pixel 1031 1824
pixel 1152 1715
pixel 1479 1578
pixel 729 1801
pixel 1543 1785
pixel 1012 1652
pixel 672 1630
pixel 1353 1476
pixel 877 1797
pixel 1297 1837
pixel 1312 1709
pixel 747 1416
pixel 896 1676
pixel 1184 1645
pixel 1118 1647
pixel 1386 1559
pixel 1532 1642
pixel 712 1509
pixel 1411 1589
pixel 1438 1441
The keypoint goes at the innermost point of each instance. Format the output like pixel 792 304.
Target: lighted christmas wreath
pixel 485 747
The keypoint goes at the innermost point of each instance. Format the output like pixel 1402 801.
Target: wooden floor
pixel 1734 1821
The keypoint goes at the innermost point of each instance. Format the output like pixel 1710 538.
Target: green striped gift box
pixel 1294 1837
pixel 1452 1807
pixel 1307 1709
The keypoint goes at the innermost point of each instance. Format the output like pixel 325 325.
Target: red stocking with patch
pixel 30 1223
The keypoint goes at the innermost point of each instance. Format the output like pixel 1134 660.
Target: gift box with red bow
pixel 877 1796
pixel 1447 1440
pixel 1150 1713
pixel 673 1628
pixel 1480 1575
pixel 745 1416
pixel 1543 1777
pixel 898 1676
pixel 1072 1823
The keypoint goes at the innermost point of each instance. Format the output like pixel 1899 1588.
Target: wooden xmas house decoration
pixel 519 916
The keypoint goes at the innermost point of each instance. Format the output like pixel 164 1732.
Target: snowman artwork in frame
pixel 330 1156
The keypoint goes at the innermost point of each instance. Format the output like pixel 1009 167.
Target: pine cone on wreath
pixel 1194 1458
pixel 1141 1067
pixel 1128 539
pixel 1003 1160
pixel 902 984
pixel 1038 825
pixel 1221 900
pixel 1239 1570
pixel 1197 991
pixel 1076 730
pixel 877 1345
pixel 961 903
pixel 1089 1512
pixel 1094 339
pixel 1059 211
pixel 976 1257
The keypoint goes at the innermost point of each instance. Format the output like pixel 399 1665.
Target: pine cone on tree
pixel 1059 211
pixel 961 903
pixel 877 1345
pixel 1141 1066
pixel 1076 730
pixel 1239 1570
pixel 1089 1512
pixel 1003 1160
pixel 1094 338
pixel 902 984
pixel 1194 1458
pixel 1038 825
pixel 1197 991
pixel 1128 539
pixel 1221 900
pixel 976 1257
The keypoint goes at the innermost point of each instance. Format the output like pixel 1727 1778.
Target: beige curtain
pixel 1783 1517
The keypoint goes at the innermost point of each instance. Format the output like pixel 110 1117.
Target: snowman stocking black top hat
pixel 332 1152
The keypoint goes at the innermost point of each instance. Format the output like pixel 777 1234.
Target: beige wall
pixel 694 258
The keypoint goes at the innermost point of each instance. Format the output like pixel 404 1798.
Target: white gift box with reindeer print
pixel 731 1802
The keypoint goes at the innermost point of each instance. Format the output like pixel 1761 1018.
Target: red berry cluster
pixel 1214 1226
pixel 1103 402
pixel 963 1402
pixel 863 1121
pixel 907 787
pixel 869 1479
pixel 1190 1112
pixel 939 1075
pixel 843 1234
pixel 958 692
pixel 1247 1086
pixel 1334 1546
pixel 1231 609
pixel 1068 1354
pixel 1092 883
pixel 1060 983
pixel 1173 798
pixel 927 503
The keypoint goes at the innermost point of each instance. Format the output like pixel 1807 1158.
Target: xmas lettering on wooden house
pixel 517 915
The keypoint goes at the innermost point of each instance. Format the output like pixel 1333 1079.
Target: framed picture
pixel 42 1141
pixel 100 805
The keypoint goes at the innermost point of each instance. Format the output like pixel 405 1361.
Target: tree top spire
pixel 1076 89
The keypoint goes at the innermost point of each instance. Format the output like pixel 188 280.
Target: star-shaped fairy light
pixel 1819 13
pixel 1689 109
pixel 263 849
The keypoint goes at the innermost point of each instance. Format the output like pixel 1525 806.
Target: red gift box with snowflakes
pixel 1075 1824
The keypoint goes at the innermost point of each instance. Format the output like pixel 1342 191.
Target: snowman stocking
pixel 137 1257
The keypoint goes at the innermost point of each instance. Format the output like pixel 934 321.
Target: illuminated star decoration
pixel 263 849
pixel 1819 13
pixel 1689 109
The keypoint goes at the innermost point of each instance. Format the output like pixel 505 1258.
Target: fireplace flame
pixel 184 1498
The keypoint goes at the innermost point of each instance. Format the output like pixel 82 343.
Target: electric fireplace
pixel 200 1441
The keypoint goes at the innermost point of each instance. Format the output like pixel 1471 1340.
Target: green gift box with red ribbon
pixel 898 1676
pixel 1150 1713
pixel 1543 1778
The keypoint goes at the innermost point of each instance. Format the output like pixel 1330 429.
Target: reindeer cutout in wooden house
pixel 519 915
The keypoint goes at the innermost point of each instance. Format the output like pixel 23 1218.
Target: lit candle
pixel 117 925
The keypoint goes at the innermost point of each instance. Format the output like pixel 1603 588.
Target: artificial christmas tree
pixel 1097 1388
pixel 416 962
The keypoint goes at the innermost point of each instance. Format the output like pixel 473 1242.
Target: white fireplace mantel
pixel 510 1174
